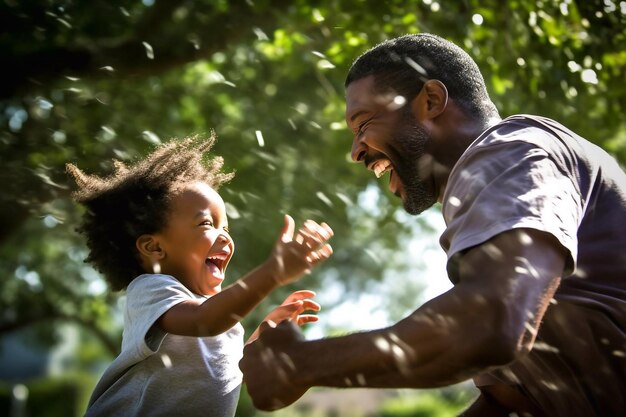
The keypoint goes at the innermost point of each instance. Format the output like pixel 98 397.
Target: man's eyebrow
pixel 357 114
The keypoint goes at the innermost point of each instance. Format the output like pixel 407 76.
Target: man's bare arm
pixel 488 319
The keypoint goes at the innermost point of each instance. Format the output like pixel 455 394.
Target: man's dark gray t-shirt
pixel 532 172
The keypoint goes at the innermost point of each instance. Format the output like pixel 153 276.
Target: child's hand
pixel 291 309
pixel 295 256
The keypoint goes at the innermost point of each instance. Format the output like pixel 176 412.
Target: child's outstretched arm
pixel 291 309
pixel 293 256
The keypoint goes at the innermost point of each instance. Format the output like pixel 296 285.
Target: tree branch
pixel 32 69
pixel 110 343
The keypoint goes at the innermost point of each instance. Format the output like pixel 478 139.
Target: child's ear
pixel 149 246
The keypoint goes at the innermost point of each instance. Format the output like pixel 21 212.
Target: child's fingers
pixel 299 295
pixel 320 255
pixel 299 306
pixel 322 231
pixel 325 251
pixel 313 234
pixel 327 229
pixel 285 311
pixel 319 228
pixel 288 229
pixel 309 234
pixel 312 230
pixel 310 305
pixel 306 318
pixel 294 309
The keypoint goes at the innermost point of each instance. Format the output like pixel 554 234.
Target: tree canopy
pixel 86 82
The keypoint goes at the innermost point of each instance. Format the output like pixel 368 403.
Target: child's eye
pixel 206 223
pixel 226 229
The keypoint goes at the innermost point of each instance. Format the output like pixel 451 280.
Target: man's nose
pixel 359 149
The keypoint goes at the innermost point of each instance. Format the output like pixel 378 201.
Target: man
pixel 535 241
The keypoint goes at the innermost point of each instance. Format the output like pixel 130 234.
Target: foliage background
pixel 86 82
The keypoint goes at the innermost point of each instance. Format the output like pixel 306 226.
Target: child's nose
pixel 222 238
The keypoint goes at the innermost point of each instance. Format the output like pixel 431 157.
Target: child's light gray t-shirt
pixel 161 374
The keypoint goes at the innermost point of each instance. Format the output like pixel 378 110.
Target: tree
pixel 92 81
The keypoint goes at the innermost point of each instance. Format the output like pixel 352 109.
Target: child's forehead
pixel 197 187
pixel 196 195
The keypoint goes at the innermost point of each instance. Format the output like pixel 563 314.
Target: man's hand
pixel 267 368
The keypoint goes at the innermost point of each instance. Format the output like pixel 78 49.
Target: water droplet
pixel 589 76
pixel 20 392
pixel 454 201
pixel 167 362
pixel 324 198
pixel 259 138
pixel 151 137
pixel 149 50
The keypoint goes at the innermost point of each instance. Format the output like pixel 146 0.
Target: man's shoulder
pixel 525 128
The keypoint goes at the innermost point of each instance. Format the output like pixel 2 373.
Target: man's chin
pixel 414 211
pixel 417 206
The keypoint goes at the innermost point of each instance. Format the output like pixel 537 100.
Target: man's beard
pixel 412 140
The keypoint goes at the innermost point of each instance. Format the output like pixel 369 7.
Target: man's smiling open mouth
pixel 382 166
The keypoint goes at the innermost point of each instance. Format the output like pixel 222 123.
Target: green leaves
pixel 80 88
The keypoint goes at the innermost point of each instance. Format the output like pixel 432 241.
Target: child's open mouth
pixel 216 264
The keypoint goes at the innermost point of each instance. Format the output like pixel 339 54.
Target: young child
pixel 159 230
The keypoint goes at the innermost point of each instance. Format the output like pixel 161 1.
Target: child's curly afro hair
pixel 134 200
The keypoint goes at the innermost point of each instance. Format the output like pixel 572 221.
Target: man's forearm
pixel 423 350
pixel 370 360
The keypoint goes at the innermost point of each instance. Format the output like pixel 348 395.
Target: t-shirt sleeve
pixel 148 298
pixel 504 186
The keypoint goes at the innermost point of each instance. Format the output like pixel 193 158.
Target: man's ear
pixel 149 247
pixel 432 100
